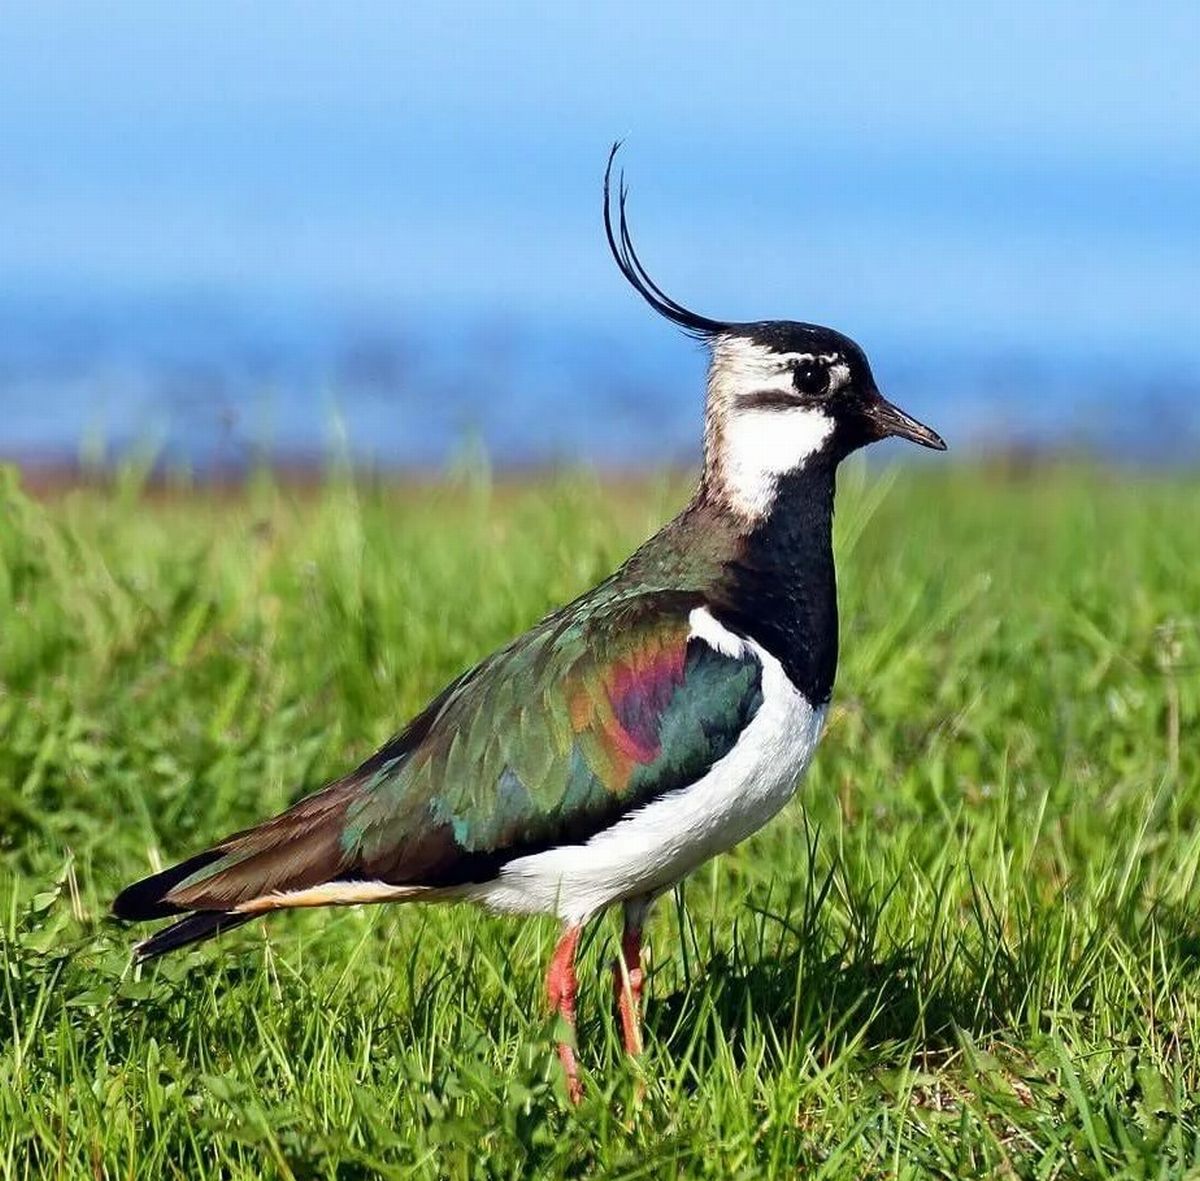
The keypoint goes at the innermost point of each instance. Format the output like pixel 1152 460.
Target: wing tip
pixel 195 928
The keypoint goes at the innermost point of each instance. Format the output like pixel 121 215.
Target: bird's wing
pixel 591 714
pixel 551 741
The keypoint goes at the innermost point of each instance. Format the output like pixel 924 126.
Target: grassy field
pixel 971 947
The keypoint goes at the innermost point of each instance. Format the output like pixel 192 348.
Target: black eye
pixel 810 378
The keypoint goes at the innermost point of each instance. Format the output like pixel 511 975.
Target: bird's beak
pixel 891 420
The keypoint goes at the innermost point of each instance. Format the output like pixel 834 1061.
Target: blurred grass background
pixel 968 948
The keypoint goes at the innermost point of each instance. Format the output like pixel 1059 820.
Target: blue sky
pixel 1018 176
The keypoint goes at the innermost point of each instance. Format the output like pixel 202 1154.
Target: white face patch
pixel 761 446
pixel 744 368
pixel 757 445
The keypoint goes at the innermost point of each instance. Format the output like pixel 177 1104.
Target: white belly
pixel 652 848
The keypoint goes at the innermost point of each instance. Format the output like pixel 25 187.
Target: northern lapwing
pixel 660 718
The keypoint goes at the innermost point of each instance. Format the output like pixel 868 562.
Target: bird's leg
pixel 628 978
pixel 561 989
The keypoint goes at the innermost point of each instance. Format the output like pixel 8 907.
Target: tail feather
pixel 294 851
pixel 299 848
pixel 204 924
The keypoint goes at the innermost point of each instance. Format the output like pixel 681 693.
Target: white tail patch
pixel 333 894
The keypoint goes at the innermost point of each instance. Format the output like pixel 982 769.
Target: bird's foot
pixel 628 981
pixel 566 1055
pixel 561 990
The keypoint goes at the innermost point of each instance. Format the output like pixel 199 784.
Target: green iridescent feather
pixel 622 709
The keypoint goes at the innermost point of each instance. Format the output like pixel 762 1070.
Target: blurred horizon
pixel 221 230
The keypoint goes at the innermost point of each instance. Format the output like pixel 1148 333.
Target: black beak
pixel 891 420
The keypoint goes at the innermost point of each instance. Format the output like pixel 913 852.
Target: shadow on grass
pixel 792 1001
pixel 988 977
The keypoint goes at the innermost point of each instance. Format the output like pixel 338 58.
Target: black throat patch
pixel 781 588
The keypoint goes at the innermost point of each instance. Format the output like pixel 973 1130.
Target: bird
pixel 657 720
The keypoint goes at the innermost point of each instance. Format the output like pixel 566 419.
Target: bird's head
pixel 781 394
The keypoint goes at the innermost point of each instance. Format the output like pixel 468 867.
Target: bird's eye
pixel 810 378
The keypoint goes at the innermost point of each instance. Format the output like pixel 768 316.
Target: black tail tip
pixel 145 899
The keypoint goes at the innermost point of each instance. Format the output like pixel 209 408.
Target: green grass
pixel 969 948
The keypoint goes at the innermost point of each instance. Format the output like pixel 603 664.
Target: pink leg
pixel 628 979
pixel 561 989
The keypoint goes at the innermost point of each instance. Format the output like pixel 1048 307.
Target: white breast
pixel 652 848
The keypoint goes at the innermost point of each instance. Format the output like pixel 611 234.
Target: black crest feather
pixel 626 257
